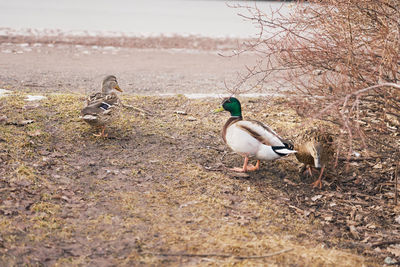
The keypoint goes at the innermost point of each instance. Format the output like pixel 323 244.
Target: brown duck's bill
pixel 117 88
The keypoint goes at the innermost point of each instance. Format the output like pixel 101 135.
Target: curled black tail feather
pixel 289 145
pixel 286 146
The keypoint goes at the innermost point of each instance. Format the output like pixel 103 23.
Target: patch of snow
pixel 213 95
pixel 4 92
pixel 34 97
pixel 221 95
pixel 110 48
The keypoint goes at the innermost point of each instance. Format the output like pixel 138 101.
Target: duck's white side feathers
pixel 261 132
pixel 252 138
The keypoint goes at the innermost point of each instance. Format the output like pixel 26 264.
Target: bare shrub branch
pixel 337 60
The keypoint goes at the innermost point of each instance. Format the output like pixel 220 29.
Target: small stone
pixel 180 112
pixel 389 260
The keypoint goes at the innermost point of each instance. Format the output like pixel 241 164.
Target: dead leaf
pixel 33 106
pixel 377 166
pixel 314 198
pixel 354 232
pixel 3 118
pixel 35 133
pixel 193 202
pixel 289 182
pixel 395 250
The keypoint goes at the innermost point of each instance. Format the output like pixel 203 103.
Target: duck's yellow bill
pixel 117 88
pixel 219 110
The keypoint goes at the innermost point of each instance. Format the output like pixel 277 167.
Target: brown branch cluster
pixel 326 52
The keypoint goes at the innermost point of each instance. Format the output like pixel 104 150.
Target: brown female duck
pixel 315 150
pixel 102 107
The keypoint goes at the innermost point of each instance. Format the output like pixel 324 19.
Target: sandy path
pixel 77 68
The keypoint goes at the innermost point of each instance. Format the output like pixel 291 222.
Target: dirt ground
pixel 157 191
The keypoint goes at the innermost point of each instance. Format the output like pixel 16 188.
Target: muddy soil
pixel 157 191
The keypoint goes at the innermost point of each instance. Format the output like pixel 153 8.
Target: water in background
pixel 135 17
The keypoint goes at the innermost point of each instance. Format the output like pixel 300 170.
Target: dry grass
pixel 69 198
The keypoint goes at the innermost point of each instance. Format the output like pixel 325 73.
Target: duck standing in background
pixel 251 138
pixel 102 107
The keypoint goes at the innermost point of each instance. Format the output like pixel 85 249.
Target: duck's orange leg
pixel 307 169
pixel 244 168
pixel 102 134
pixel 254 168
pixel 318 182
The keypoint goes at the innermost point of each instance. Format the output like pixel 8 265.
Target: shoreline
pixel 120 39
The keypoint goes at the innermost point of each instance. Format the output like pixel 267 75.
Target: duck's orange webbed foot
pixel 247 167
pixel 254 168
pixel 102 133
pixel 237 169
pixel 318 182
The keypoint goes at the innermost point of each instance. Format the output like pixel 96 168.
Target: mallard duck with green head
pixel 315 150
pixel 102 107
pixel 251 138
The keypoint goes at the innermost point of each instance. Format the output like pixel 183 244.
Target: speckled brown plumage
pixel 315 149
pixel 102 107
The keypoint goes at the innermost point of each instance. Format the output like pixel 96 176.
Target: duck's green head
pixel 232 105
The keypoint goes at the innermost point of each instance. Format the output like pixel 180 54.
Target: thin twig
pixel 395 184
pixel 218 255
pixel 136 109
pixel 389 242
